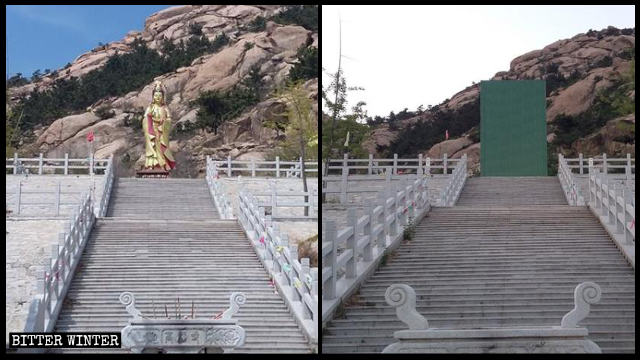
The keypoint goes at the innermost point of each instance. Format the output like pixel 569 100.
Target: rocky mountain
pixel 590 96
pixel 254 41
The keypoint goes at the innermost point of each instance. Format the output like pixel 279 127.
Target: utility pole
pixel 335 109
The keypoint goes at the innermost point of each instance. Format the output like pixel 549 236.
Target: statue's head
pixel 158 93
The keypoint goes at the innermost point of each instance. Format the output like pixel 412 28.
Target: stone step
pixel 182 251
pixel 424 279
pixel 468 283
pixel 496 295
pixel 446 322
pixel 121 322
pixel 509 253
pixel 490 311
pixel 514 273
pixel 625 340
pixel 350 348
pixel 525 261
pixel 594 330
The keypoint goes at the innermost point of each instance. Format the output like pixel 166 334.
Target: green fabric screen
pixel 513 129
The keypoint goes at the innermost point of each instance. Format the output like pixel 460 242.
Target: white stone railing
pixel 376 169
pixel 216 188
pixel 266 168
pixel 42 165
pixel 56 199
pixel 570 188
pixel 572 169
pixel 451 192
pixel 606 165
pixel 278 200
pixel 46 306
pixel 101 209
pixel 398 166
pixel 373 235
pixel 293 278
pixel 614 206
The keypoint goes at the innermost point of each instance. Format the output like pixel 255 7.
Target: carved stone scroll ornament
pixel 585 295
pixel 126 298
pixel 236 300
pixel 403 298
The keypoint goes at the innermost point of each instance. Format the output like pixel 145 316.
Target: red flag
pixel 446 134
pixel 90 136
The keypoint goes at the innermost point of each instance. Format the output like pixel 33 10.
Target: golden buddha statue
pixel 156 124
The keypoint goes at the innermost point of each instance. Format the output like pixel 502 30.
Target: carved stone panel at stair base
pixel 566 338
pixel 495 347
pixel 184 336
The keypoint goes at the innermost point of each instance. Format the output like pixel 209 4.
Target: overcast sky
pixel 405 56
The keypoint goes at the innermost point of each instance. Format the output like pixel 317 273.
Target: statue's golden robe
pixel 156 125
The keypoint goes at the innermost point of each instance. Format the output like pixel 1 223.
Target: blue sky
pixel 49 36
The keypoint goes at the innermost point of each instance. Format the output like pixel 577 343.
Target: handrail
pixel 377 169
pixel 216 190
pixel 289 168
pixel 21 165
pixel 373 235
pixel 453 188
pixel 602 163
pixel 101 209
pixel 274 203
pixel 614 206
pixel 294 279
pixel 58 273
pixel 398 166
pixel 571 190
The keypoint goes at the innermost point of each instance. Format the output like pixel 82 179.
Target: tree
pixel 302 127
pixel 16 80
pixel 195 29
pixel 216 107
pixel 307 65
pixel 303 15
pixel 35 77
pixel 258 24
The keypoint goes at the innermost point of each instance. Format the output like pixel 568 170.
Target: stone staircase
pixel 494 263
pixel 174 254
pixel 181 199
pixel 510 191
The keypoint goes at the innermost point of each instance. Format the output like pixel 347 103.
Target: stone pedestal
pixel 152 173
pixel 182 336
pixel 494 340
pixel 566 338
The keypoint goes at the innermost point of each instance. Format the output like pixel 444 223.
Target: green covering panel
pixel 513 129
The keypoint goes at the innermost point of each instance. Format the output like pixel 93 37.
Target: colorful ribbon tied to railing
pixel 297 283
